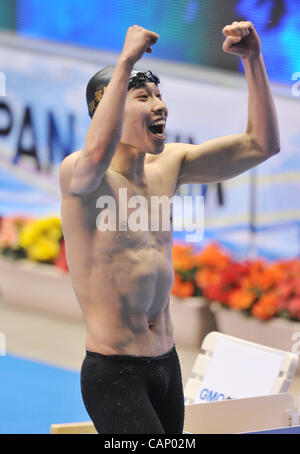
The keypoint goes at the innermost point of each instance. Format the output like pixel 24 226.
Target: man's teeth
pixel 158 122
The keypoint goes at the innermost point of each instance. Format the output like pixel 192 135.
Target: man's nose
pixel 160 106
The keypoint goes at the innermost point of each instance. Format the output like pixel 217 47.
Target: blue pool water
pixel 34 395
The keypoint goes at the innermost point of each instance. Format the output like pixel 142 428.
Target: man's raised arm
pixel 81 172
pixel 226 157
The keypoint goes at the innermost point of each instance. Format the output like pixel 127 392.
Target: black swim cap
pixel 97 84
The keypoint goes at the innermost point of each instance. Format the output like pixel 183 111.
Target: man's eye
pixel 143 96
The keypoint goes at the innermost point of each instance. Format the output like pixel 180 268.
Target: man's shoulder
pixel 65 171
pixel 174 147
pixel 68 161
pixel 170 151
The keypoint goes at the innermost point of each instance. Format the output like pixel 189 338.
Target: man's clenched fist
pixel 138 40
pixel 242 40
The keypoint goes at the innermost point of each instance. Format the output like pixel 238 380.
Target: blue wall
pixel 190 30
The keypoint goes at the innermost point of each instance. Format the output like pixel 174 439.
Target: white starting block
pixel 239 387
pixel 251 414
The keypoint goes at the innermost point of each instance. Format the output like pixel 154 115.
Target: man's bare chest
pixel 121 214
pixel 128 205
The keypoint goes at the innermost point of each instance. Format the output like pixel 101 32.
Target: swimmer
pixel 131 378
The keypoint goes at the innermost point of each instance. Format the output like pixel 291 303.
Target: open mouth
pixel 158 128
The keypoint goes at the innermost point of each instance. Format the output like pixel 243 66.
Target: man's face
pixel 144 105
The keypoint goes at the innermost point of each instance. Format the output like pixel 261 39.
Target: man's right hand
pixel 138 41
pixel 82 172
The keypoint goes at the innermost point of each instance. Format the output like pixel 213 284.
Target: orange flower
pixel 183 257
pixel 213 257
pixel 241 299
pixel 257 266
pixel 291 268
pixel 206 277
pixel 262 278
pixel 176 285
pixel 266 307
pixel 183 264
pixel 182 288
pixel 187 289
pixel 178 250
pixel 272 276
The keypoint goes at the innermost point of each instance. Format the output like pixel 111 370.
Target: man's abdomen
pixel 128 310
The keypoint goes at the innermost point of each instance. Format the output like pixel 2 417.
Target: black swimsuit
pixel 127 394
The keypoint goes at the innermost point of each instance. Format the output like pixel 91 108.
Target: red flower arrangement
pixel 257 288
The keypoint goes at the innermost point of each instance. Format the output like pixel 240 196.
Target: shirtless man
pixel 130 378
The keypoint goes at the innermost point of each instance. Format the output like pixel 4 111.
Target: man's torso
pixel 123 278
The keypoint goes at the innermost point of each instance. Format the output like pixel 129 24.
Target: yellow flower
pixel 43 250
pixel 29 234
pixel 41 238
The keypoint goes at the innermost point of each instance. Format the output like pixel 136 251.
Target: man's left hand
pixel 242 40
